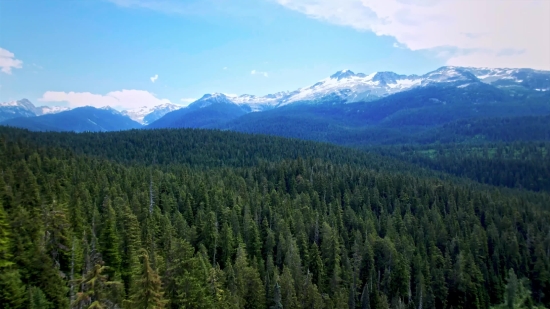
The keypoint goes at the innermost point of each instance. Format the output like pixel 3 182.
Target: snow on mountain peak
pixel 342 74
pixel 147 114
pixel 352 87
pixel 53 109
pixel 112 110
pixel 23 103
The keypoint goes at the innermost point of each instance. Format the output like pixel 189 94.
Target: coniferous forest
pixel 212 219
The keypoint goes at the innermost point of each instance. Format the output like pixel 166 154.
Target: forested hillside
pixel 515 165
pixel 209 219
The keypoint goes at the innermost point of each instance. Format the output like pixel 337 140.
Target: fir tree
pixel 12 290
pixel 147 292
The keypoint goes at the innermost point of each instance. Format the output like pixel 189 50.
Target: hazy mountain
pixel 24 108
pixel 81 119
pixel 146 115
pixel 209 111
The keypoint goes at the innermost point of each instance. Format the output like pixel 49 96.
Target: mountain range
pixel 24 108
pixel 336 108
pixel 80 119
pixel 347 87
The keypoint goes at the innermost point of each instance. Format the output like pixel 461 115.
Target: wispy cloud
pixel 225 68
pixel 154 78
pixel 485 28
pixel 8 61
pixel 122 99
pixel 254 72
pixel 187 101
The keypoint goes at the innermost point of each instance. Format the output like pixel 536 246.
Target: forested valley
pixel 212 219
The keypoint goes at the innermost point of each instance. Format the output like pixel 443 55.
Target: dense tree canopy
pixel 224 220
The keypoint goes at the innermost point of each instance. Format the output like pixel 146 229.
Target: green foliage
pixel 96 291
pixel 37 299
pixel 518 294
pixel 514 165
pixel 243 221
pixel 147 291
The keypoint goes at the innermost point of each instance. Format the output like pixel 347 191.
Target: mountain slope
pixel 25 108
pixel 476 85
pixel 80 119
pixel 15 109
pixel 209 111
pixel 146 115
pixel 398 116
pixel 347 87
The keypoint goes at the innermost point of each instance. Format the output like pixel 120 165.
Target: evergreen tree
pixel 37 299
pixel 109 240
pixel 511 289
pixel 96 291
pixel 147 292
pixel 277 300
pixel 12 290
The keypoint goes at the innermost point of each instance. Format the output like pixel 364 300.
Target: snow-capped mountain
pixel 348 87
pixel 342 87
pixel 527 78
pixel 80 119
pixel 146 115
pixel 248 102
pixel 53 109
pixel 25 108
pixel 210 99
pixel 258 104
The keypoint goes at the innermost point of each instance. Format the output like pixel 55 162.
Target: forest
pixel 215 219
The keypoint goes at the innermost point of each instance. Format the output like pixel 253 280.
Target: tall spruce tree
pixel 147 291
pixel 12 290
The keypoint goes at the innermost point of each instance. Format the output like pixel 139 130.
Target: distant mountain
pixel 14 109
pixel 24 108
pixel 81 119
pixel 394 117
pixel 345 107
pixel 212 110
pixel 349 87
pixel 147 115
pixel 45 110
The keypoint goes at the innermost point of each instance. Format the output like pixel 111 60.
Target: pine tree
pixel 109 241
pixel 37 299
pixel 511 289
pixel 277 297
pixel 96 291
pixel 131 242
pixel 365 299
pixel 147 292
pixel 12 290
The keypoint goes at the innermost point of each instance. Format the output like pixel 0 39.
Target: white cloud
pixel 254 72
pixel 154 78
pixel 122 99
pixel 8 61
pixel 187 101
pixel 225 68
pixel 478 32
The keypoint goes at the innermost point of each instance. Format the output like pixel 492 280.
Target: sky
pixel 133 53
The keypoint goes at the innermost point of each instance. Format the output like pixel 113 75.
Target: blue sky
pixel 96 52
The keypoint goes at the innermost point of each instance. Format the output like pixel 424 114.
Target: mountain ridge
pixel 218 110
